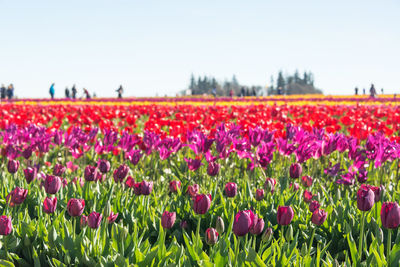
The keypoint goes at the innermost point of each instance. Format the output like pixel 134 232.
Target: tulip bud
pixel 267 235
pixel 285 215
pixel 295 170
pixel 30 174
pixel 75 207
pixel 319 217
pixel 12 166
pixel 201 203
pixel 83 221
pixel 103 165
pixel 220 225
pixel 259 194
pixel 304 250
pixel 49 205
pixel 52 184
pixel 390 215
pixel 269 185
pixel 365 198
pixel 5 225
pixel 379 235
pixel 168 219
pixel 258 227
pixel 230 189
pixel 211 236
pixel 289 233
pixel 94 220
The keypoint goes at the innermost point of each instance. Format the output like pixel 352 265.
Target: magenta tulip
pixel 259 194
pixel 5 225
pixel 52 184
pixel 390 215
pixel 168 219
pixel 201 203
pixel 211 236
pixel 285 215
pixel 244 220
pixel 365 198
pixel 94 220
pixel 75 207
pixel 230 189
pixel 319 217
pixel 49 205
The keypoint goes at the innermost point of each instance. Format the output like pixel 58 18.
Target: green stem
pixel 198 232
pixel 74 227
pixel 389 246
pixel 237 252
pixel 361 238
pixel 311 241
pixel 282 236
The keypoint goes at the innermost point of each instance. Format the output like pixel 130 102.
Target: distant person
pixel 242 92
pixel 74 91
pixel 120 90
pixel 356 91
pixel 279 90
pixel 363 91
pixel 372 91
pixel 86 92
pixel 66 92
pixel 10 91
pixel 3 91
pixel 231 93
pixel 94 95
pixel 381 91
pixel 214 92
pixel 52 91
pixel 253 91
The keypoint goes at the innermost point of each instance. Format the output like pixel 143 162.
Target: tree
pixel 281 81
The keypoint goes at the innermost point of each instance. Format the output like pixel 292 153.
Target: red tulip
pixel 307 196
pixel 174 186
pixel 306 181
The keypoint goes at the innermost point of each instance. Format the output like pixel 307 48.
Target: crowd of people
pixel 372 91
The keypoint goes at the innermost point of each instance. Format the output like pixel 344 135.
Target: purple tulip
pixel 211 236
pixel 213 168
pixel 244 220
pixel 365 198
pixel 285 215
pixel 146 187
pixel 259 194
pixel 168 219
pixel 90 173
pixel 201 203
pixel 120 173
pixel 12 166
pixel 94 220
pixel 49 205
pixel 75 207
pixel 17 196
pixel 52 184
pixel 306 181
pixel 269 185
pixel 30 174
pixel 104 165
pixel 258 227
pixel 193 190
pixel 319 216
pixel 59 170
pixel 5 225
pixel 314 205
pixel 231 189
pixel 193 164
pixel 184 225
pixel 390 215
pixel 295 170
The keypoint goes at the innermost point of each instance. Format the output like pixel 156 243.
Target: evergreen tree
pixel 281 81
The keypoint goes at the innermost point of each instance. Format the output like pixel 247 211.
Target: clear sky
pixel 153 46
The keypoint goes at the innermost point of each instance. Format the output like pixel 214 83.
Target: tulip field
pixel 197 181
